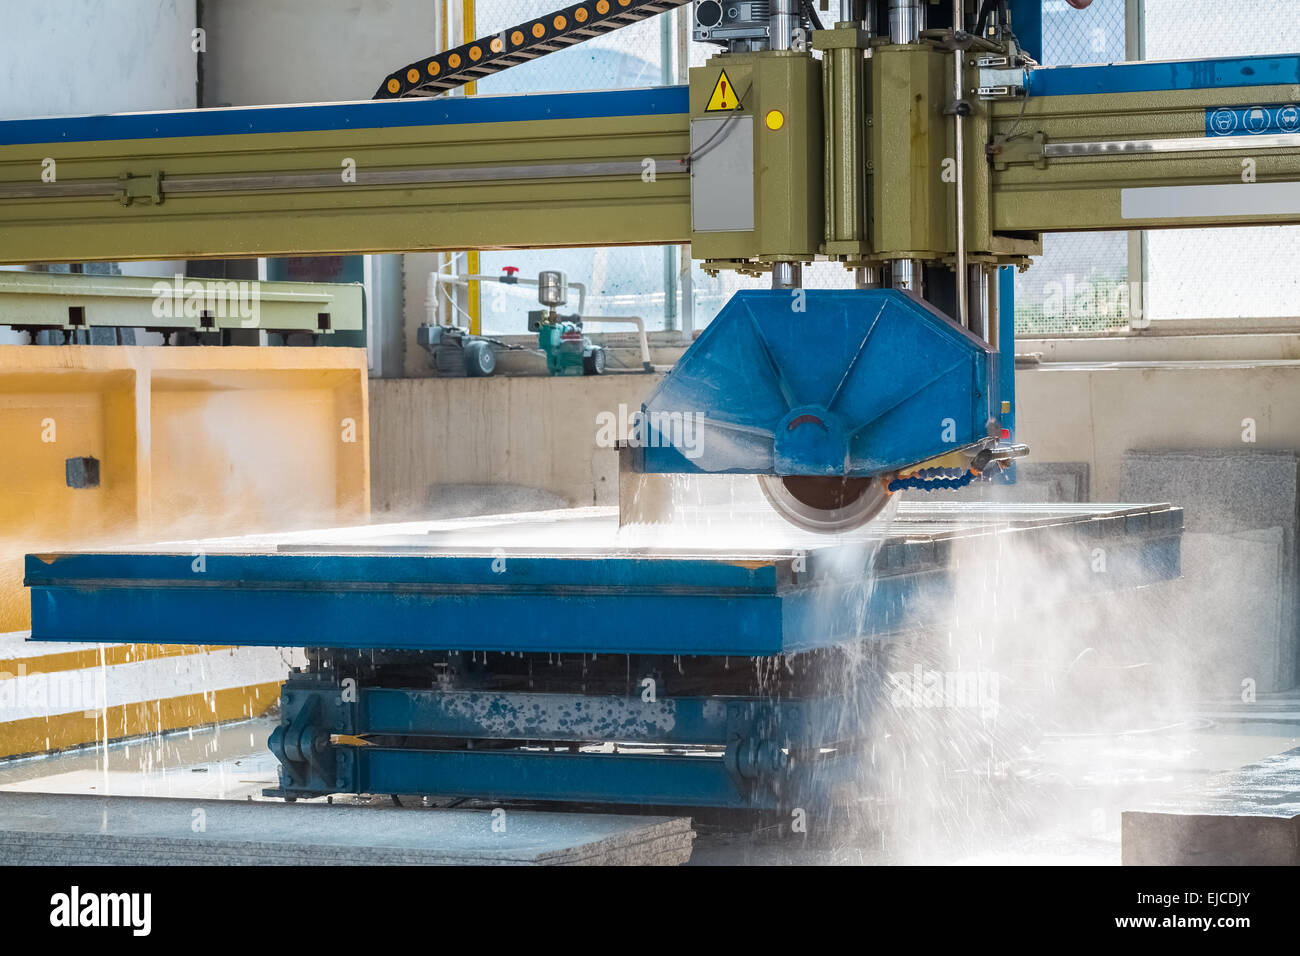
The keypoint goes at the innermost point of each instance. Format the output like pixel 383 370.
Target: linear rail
pixel 526 41
pixel 282 182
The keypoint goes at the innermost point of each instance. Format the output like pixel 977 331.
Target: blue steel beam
pixel 724 751
pixel 315 117
pixel 516 715
pixel 644 779
pixel 615 605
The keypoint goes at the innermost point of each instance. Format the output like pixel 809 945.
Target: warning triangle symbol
pixel 724 96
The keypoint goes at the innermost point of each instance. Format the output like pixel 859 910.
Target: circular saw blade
pixel 825 505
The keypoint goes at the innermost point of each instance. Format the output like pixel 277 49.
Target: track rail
pixel 526 41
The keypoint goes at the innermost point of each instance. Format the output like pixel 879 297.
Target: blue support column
pixel 1027 20
pixel 1007 355
pixel 1007 343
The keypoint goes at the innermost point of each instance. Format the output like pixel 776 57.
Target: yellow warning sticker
pixel 724 96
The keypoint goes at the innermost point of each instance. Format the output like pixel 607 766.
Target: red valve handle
pixel 509 270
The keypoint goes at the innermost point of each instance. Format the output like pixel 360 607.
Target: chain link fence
pixel 1080 284
pixel 1222 273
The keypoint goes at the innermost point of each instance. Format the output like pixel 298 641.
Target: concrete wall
pixel 95 56
pixel 1094 413
pixel 540 432
pixel 288 51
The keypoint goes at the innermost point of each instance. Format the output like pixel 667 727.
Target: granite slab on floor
pixel 1244 817
pixel 1240 558
pixel 52 829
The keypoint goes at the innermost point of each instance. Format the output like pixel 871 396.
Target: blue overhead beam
pixel 368 114
pixel 1166 76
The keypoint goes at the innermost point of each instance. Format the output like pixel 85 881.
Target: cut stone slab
pixel 1242 512
pixel 1230 618
pixel 1245 817
pixel 54 829
pixel 1220 492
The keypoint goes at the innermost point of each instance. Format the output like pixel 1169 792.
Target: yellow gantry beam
pixel 1140 160
pixel 550 170
pixel 616 168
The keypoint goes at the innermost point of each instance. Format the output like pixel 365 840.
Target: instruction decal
pixel 1253 120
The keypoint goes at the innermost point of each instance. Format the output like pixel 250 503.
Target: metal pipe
pixel 977 312
pixel 687 285
pixel 906 20
pixel 686 280
pixel 847 11
pixel 633 320
pixel 995 308
pixel 958 63
pixel 440 278
pixel 866 277
pixel 905 275
pixel 787 275
pixel 781 22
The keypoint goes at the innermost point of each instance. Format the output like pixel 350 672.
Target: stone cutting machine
pixel 918 144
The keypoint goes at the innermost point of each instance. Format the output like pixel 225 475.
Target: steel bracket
pixel 1024 149
pixel 147 188
pixel 312 711
pixel 1001 79
pixel 756 757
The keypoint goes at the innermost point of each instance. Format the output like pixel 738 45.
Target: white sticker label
pixel 1266 200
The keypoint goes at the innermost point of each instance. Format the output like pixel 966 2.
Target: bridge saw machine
pixel 918 144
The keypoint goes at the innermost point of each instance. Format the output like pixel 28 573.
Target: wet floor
pixel 1059 804
pixel 227 762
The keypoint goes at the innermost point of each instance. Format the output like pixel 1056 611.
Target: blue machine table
pixel 555 656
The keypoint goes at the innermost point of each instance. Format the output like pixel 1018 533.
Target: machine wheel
pixel 480 360
pixel 825 505
pixel 594 363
